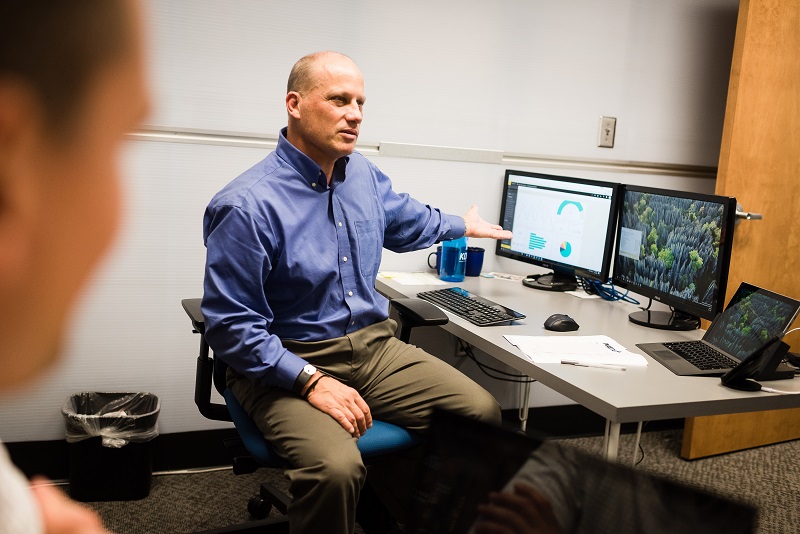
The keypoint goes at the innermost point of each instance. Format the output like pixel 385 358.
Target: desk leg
pixel 523 409
pixel 611 441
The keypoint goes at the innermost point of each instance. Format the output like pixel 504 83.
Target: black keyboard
pixel 475 309
pixel 700 355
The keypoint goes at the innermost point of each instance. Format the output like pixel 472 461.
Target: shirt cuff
pixel 458 227
pixel 288 370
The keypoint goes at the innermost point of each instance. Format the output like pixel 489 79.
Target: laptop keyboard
pixel 477 310
pixel 700 355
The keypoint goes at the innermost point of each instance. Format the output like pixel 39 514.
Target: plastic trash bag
pixel 118 418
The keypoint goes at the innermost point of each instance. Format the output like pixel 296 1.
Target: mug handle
pixel 429 260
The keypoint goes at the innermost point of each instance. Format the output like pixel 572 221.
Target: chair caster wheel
pixel 258 507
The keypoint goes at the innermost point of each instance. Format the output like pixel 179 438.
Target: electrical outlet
pixel 608 126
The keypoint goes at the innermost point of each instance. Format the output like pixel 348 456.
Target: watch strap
pixel 301 381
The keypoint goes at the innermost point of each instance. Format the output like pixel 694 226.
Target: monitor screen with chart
pixel 560 223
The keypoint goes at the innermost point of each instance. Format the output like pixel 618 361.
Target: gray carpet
pixel 767 478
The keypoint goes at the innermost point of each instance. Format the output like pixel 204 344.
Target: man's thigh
pixel 298 431
pixel 403 384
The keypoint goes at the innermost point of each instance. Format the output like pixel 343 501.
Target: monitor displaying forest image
pixel 671 245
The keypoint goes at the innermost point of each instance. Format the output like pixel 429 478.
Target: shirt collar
pixel 308 169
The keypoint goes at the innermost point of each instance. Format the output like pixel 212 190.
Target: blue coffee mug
pixel 474 261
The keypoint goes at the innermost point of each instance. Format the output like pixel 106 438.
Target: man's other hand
pixel 341 402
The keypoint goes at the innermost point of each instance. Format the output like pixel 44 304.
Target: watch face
pixel 309 369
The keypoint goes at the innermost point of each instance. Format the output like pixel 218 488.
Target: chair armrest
pixel 416 312
pixel 419 312
pixel 192 309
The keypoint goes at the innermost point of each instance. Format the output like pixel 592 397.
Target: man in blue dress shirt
pixel 293 249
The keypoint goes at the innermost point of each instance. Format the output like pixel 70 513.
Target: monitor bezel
pixel 726 245
pixel 559 267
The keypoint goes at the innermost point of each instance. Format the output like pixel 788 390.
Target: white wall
pixel 513 76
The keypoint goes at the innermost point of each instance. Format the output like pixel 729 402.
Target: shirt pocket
pixel 369 243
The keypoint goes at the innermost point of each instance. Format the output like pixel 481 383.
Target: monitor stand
pixel 664 320
pixel 551 282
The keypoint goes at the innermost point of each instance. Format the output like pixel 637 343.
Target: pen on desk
pixel 596 365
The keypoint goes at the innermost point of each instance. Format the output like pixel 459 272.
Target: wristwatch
pixel 303 378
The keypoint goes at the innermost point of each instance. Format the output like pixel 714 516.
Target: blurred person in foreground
pixel 71 85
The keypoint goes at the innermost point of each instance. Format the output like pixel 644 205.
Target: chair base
pixel 269 497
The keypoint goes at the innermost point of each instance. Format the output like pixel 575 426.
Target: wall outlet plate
pixel 608 127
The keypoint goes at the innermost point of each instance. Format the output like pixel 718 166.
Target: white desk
pixel 635 395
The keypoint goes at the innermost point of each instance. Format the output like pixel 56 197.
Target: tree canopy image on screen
pixel 562 223
pixel 675 247
pixel 755 318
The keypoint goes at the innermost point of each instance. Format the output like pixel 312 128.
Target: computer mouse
pixel 558 322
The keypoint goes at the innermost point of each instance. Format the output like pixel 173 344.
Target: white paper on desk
pixel 581 349
pixel 412 279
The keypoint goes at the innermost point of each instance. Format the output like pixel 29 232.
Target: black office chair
pixel 382 439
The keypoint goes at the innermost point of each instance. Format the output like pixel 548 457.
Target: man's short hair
pixel 57 46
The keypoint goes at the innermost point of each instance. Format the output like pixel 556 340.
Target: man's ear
pixel 19 115
pixel 293 104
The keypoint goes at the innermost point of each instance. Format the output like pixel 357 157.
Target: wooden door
pixel 760 165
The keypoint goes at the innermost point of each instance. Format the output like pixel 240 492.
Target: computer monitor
pixel 560 223
pixel 674 247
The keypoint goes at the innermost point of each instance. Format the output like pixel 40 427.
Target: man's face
pixel 325 118
pixel 70 212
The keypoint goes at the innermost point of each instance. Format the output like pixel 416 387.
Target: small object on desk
pixel 453 261
pixel 595 365
pixel 438 257
pixel 559 322
pixel 474 261
pixel 503 276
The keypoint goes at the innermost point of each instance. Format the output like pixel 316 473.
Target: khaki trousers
pixel 401 384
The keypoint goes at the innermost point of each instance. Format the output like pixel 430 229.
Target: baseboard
pixel 206 448
pixel 181 450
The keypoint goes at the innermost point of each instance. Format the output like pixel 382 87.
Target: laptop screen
pixel 753 317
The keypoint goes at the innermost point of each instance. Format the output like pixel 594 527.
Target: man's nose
pixel 354 113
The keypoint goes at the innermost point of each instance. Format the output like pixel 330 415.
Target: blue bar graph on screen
pixel 536 242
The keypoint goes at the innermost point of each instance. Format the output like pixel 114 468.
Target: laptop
pixel 753 318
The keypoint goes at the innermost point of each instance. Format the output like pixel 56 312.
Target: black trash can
pixel 109 437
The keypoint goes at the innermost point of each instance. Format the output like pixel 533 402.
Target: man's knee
pixel 476 403
pixel 342 469
pixel 484 407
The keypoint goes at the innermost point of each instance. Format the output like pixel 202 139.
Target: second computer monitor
pixel 675 247
pixel 560 223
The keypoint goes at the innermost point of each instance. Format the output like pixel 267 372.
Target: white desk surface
pixel 637 394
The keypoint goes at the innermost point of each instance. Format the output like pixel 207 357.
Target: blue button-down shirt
pixel 290 257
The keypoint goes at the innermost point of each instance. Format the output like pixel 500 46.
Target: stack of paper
pixel 580 349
